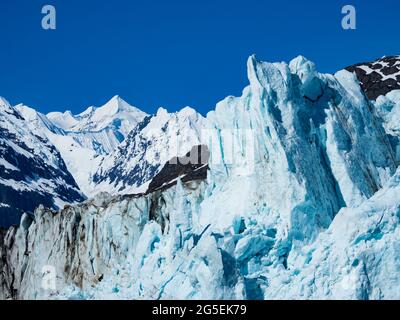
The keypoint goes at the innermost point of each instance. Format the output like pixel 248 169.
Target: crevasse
pixel 310 212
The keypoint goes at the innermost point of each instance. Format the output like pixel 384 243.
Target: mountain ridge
pixel 32 171
pixel 299 199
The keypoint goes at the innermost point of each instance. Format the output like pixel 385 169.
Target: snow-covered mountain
pixel 380 80
pixel 100 129
pixel 379 77
pixel 32 171
pixel 96 152
pixel 146 149
pixel 301 199
pixel 83 140
pixel 80 160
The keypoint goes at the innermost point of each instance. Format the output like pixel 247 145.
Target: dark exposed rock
pixel 384 78
pixel 7 275
pixel 193 166
pixel 141 172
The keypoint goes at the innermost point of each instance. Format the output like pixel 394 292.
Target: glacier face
pixel 301 201
pixel 317 146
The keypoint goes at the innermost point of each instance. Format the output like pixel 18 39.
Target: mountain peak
pixel 64 120
pixel 115 108
pixel 27 112
pixel 68 113
pixel 161 112
pixel 5 107
pixel 96 119
pixel 114 105
pixel 3 101
pixel 117 98
pixel 87 112
pixel 187 112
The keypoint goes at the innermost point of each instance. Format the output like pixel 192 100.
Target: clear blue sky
pixel 174 53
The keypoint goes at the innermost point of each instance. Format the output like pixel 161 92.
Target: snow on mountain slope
pixel 301 201
pixel 380 81
pixel 132 165
pixel 378 77
pixel 64 120
pixel 37 120
pixel 84 139
pixel 100 129
pixel 116 112
pixel 146 149
pixel 80 161
pixel 32 172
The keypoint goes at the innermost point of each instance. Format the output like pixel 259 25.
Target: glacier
pixel 301 200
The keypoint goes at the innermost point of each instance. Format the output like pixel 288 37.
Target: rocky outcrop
pixel 379 77
pixel 153 142
pixel 193 166
pixel 301 201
